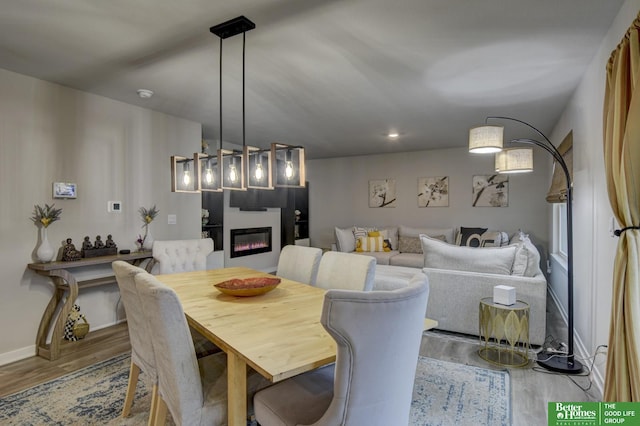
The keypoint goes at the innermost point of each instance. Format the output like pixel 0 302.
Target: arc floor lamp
pixel 489 139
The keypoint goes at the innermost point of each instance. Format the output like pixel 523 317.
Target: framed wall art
pixel 433 191
pixel 64 190
pixel 382 193
pixel 491 191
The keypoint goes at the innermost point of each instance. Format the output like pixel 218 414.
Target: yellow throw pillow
pixel 369 244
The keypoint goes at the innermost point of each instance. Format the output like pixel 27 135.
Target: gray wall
pixel 112 151
pixel 338 194
pixel 594 247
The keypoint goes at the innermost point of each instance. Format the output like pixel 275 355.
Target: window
pixel 560 228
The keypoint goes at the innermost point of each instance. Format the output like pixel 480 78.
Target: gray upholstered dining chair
pixel 193 390
pixel 378 336
pixel 299 263
pixel 346 271
pixel 171 256
pixel 142 355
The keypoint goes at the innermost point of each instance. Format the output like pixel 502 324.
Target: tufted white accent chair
pixel 378 336
pixel 182 255
pixel 346 271
pixel 299 263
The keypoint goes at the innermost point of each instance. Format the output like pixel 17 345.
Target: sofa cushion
pixel 492 260
pixel 407 231
pixel 382 257
pixel 470 237
pixel 345 241
pixel 411 260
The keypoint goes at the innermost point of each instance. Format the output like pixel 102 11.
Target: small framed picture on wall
pixel 490 191
pixel 433 191
pixel 382 193
pixel 64 190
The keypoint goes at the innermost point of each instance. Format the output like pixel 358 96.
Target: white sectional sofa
pixel 459 276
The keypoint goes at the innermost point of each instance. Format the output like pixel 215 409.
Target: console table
pixel 71 277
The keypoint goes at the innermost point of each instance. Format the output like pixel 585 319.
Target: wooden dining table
pixel 278 334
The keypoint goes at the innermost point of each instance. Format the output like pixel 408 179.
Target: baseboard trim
pixel 17 355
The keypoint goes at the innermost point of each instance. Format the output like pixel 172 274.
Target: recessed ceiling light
pixel 393 135
pixel 145 93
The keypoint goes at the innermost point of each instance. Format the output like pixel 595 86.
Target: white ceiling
pixel 334 76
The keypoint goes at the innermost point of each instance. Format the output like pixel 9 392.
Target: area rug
pixel 445 393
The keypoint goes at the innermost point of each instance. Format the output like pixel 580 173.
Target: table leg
pixel 47 316
pixel 236 390
pixel 59 277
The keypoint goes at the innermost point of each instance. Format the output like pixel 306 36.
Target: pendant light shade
pixel 184 174
pixel 288 165
pixel 514 160
pixel 485 139
pixel 232 163
pixel 258 165
pixel 209 173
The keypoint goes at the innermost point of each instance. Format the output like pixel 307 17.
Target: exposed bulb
pixel 288 170
pixel 208 176
pixel 186 178
pixel 233 173
pixel 259 171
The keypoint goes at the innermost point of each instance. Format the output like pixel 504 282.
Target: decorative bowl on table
pixel 248 286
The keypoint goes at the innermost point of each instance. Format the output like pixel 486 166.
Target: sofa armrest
pixel 455 296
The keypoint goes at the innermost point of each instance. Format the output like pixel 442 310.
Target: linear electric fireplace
pixel 247 241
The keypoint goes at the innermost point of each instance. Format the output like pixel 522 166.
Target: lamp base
pixel 560 363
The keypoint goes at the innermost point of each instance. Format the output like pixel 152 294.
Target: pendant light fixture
pixel 232 162
pixel 258 163
pixel 288 165
pixel 209 172
pixel 184 174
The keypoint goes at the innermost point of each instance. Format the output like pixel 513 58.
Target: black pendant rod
pixel 244 34
pixel 220 91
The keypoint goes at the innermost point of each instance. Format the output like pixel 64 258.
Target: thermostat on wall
pixel 114 206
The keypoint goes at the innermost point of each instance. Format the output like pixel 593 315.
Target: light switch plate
pixel 172 219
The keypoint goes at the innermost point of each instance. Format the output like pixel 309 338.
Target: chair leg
pixel 160 416
pixel 154 404
pixel 134 371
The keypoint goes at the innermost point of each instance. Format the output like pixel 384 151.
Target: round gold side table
pixel 504 333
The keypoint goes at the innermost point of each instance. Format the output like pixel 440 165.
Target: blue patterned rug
pixel 445 393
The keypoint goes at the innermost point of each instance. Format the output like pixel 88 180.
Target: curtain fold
pixel 622 167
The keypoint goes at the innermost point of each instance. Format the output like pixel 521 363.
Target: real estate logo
pixel 593 413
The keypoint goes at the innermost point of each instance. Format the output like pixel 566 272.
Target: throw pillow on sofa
pixel 407 231
pixel 345 241
pixel 494 239
pixel 413 244
pixel 491 260
pixel 370 244
pixel 470 237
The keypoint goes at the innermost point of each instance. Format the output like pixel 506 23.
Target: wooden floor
pixel 97 346
pixel 531 388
